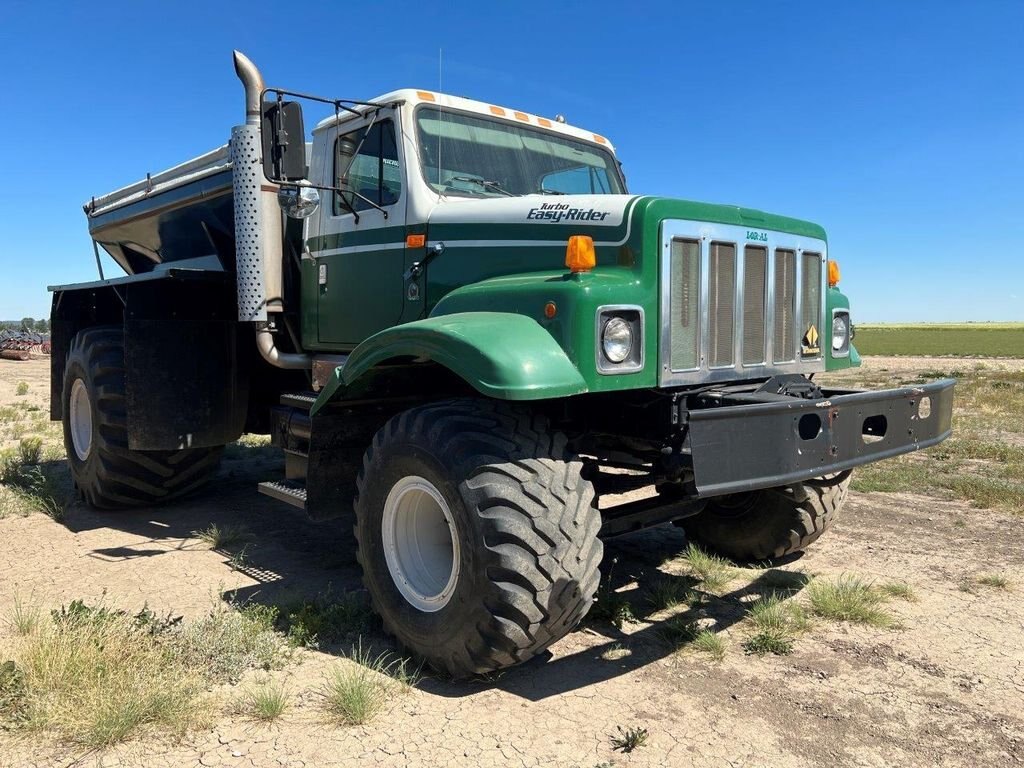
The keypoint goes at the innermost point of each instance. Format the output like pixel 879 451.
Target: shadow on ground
pixel 292 559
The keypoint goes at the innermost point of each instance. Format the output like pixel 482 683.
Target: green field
pixel 952 339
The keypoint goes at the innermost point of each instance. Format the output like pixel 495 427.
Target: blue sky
pixel 897 126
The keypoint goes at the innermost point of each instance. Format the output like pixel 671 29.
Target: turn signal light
pixel 579 254
pixel 833 273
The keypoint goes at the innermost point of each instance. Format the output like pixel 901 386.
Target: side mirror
pixel 298 201
pixel 284 141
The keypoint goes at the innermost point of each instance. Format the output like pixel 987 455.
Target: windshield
pixel 478 157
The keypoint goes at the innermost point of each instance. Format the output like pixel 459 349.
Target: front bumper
pixel 738 448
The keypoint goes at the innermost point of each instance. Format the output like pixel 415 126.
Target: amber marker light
pixel 550 310
pixel 415 241
pixel 833 273
pixel 579 254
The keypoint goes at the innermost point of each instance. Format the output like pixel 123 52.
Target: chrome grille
pixel 686 304
pixel 785 305
pixel 721 303
pixel 755 265
pixel 736 303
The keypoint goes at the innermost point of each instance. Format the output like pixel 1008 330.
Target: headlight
pixel 840 332
pixel 617 340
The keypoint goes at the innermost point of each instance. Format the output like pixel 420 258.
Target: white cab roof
pixel 413 97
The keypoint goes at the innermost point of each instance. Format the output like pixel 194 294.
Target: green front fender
pixel 500 354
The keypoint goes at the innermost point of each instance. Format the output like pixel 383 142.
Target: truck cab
pixel 419 162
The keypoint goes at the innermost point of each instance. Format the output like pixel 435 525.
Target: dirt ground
pixel 946 688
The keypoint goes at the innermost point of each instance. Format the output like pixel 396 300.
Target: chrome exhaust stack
pixel 259 256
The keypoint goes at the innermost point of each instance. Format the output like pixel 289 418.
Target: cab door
pixel 360 254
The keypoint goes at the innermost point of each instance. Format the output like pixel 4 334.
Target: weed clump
pixel 765 641
pixel 30 449
pixel 325 619
pixel 223 536
pixel 359 687
pixel 710 643
pixel 849 598
pixel 629 739
pixel 230 640
pixel 997 580
pixel 265 703
pixel 609 605
pixel 32 487
pixel 22 389
pixel 714 572
pixel 93 675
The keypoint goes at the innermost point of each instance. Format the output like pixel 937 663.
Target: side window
pixel 366 164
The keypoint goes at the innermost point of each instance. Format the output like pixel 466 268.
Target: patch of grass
pixel 900 590
pixel 30 449
pixel 265 703
pixel 358 688
pixel 629 739
pixel 765 641
pixel 94 678
pixel 33 487
pixel 93 675
pixel 710 643
pixel 9 413
pixel 22 389
pixel 609 605
pixel 849 598
pixel 24 617
pixel 775 613
pixel 240 559
pixel 997 580
pixel 669 592
pixel 977 463
pixel 776 622
pixel 714 572
pixel 326 619
pixel 13 694
pixel 230 640
pixel 223 536
pixel 679 631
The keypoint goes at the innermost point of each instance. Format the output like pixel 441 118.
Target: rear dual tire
pixel 476 533
pixel 107 473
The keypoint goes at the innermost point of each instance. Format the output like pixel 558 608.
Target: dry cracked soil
pixel 943 688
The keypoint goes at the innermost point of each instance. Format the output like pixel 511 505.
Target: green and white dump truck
pixel 463 332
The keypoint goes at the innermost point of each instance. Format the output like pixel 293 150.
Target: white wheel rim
pixel 421 544
pixel 80 420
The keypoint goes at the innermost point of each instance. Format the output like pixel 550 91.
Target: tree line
pixel 27 324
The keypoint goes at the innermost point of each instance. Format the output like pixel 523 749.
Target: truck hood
pixel 532 212
pixel 607 218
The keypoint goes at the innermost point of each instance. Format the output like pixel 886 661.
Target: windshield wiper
pixel 544 191
pixel 486 184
